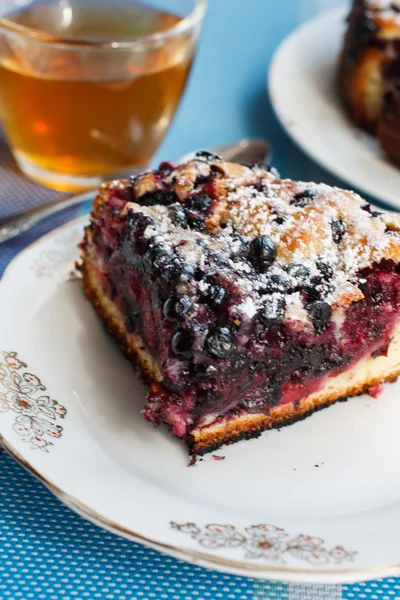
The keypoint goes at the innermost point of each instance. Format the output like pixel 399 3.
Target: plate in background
pixel 304 94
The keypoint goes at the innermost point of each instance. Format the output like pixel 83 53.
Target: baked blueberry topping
pixel 198 203
pixel 179 216
pixel 164 197
pixel 182 344
pixel 272 310
pixel 219 342
pixel 262 252
pixel 320 313
pixel 338 231
pixel 300 272
pixel 324 268
pixel 303 199
pixel 215 294
pixel 204 154
pixel 278 282
pixel 279 220
pixel 175 308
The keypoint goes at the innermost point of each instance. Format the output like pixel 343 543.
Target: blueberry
pixel 262 252
pixel 338 231
pixel 182 344
pixel 300 272
pixel 272 393
pixel 215 294
pixel 165 169
pixel 313 294
pixel 206 155
pixel 279 220
pixel 320 313
pixel 188 272
pixel 200 180
pixel 272 310
pixel 219 342
pixel 242 244
pixel 324 268
pixel 164 197
pixel 199 203
pixel 221 260
pixel 303 199
pixel 178 216
pixel 174 386
pixel 141 223
pixel 375 213
pixel 278 282
pixel 175 308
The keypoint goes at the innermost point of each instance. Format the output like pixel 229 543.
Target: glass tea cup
pixel 88 88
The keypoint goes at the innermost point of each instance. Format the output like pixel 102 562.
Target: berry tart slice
pixel 244 300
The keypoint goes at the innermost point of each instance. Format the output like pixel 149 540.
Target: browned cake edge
pixel 210 438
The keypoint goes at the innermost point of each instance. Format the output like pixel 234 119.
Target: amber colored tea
pixel 81 112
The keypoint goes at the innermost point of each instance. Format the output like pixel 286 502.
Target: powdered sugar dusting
pixel 323 236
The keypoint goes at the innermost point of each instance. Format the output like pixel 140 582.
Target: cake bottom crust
pixel 365 374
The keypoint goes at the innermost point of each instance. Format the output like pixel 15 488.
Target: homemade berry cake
pixel 370 70
pixel 245 300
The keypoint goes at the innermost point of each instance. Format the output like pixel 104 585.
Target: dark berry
pixel 204 154
pixel 215 294
pixel 207 400
pixel 217 170
pixel 219 342
pixel 188 272
pixel 165 169
pixel 303 199
pixel 320 313
pixel 313 294
pixel 338 231
pixel 175 308
pixel 262 252
pixel 203 371
pixel 200 180
pixel 375 213
pixel 279 220
pixel 164 197
pixel 199 203
pixel 182 344
pixel 272 310
pixel 240 242
pixel 221 260
pixel 272 393
pixel 324 268
pixel 175 386
pixel 178 216
pixel 141 223
pixel 300 272
pixel 278 282
pixel 395 7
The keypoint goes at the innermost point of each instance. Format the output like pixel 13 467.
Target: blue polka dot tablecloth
pixel 46 551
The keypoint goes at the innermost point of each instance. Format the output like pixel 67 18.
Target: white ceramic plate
pixel 303 90
pixel 316 502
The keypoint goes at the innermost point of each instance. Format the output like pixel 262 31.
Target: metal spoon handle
pixel 241 151
pixel 16 224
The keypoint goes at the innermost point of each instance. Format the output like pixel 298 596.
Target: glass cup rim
pixel 184 25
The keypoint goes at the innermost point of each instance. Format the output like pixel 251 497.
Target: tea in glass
pixel 88 89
